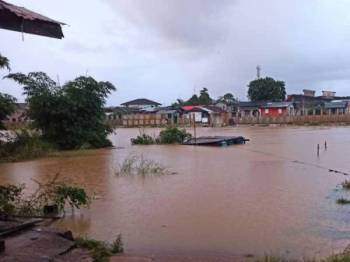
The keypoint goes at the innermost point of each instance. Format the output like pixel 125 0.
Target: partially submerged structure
pixel 20 19
pixel 209 115
pixel 216 141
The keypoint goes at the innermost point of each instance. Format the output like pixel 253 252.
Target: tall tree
pixel 71 116
pixel 266 89
pixel 7 102
pixel 227 99
pixel 7 107
pixel 204 97
pixel 194 100
pixel 4 62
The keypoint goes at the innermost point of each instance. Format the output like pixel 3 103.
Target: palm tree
pixel 4 62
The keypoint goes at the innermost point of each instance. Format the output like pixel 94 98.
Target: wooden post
pixel 325 145
pixel 194 129
pixel 318 150
pixel 2 245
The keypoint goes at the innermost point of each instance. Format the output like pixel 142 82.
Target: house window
pixel 266 111
pixel 279 110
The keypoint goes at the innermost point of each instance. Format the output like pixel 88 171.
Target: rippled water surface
pixel 271 195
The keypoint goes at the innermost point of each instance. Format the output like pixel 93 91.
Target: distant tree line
pixel 262 89
pixel 205 99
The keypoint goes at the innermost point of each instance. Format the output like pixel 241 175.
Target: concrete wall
pixel 298 120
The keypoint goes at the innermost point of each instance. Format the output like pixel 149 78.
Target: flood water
pixel 272 195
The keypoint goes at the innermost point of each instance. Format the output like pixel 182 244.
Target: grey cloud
pixel 164 49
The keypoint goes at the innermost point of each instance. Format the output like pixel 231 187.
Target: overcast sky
pixel 166 49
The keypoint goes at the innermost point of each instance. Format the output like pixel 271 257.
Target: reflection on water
pixel 270 195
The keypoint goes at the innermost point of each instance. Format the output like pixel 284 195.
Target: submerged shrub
pixel 13 202
pixel 140 166
pixel 170 135
pixel 143 139
pixel 173 135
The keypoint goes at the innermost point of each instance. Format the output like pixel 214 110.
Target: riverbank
pixel 44 243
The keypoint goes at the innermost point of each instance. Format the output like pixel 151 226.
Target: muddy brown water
pixel 272 195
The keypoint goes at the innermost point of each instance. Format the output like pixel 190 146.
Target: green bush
pixel 14 202
pixel 173 135
pixel 143 139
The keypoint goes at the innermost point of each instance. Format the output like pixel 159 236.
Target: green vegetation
pixel 99 250
pixel 4 62
pixel 7 107
pixel 343 201
pixel 173 135
pixel 203 99
pixel 143 139
pixel 70 116
pixel 13 201
pixel 139 166
pixel 266 89
pixel 25 146
pixel 227 99
pixel 346 185
pixel 6 101
pixel 170 135
pixel 341 257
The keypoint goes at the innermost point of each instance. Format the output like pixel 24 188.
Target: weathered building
pixel 275 109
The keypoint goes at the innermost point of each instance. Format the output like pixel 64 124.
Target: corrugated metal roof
pixel 277 105
pixel 339 104
pixel 20 19
pixel 140 101
pixel 25 13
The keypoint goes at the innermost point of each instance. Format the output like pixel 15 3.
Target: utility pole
pixel 258 71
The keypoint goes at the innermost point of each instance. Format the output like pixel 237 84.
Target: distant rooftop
pixel 277 104
pixel 337 104
pixel 141 101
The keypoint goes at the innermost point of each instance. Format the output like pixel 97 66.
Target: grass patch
pixel 341 257
pixel 139 166
pixel 343 201
pixel 99 250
